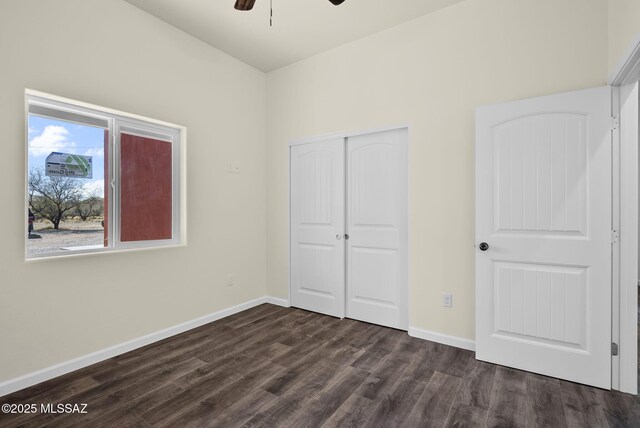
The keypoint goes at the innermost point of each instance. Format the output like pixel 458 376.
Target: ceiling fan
pixel 248 4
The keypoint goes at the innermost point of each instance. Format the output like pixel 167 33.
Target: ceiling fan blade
pixel 247 4
pixel 337 2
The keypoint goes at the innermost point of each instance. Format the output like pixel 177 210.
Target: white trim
pixel 345 134
pixel 30 379
pixel 99 109
pixel 626 304
pixel 278 301
pixel 615 226
pixel 289 224
pixel 628 69
pixel 345 227
pixel 445 339
pixel 625 308
pixel 408 265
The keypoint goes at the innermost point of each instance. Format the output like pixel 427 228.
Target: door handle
pixel 338 237
pixel 483 246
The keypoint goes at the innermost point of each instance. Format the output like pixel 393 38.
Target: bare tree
pixel 90 207
pixel 53 197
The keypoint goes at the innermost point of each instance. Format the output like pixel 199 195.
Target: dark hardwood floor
pixel 282 367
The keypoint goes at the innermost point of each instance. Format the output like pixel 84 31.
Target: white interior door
pixel 317 227
pixel 377 228
pixel 543 206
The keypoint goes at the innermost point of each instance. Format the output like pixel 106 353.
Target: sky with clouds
pixel 50 135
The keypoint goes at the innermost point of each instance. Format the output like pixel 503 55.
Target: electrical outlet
pixel 230 280
pixel 447 300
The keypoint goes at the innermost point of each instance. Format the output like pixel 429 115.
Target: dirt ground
pixel 72 233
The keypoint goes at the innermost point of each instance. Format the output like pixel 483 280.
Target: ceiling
pixel 301 28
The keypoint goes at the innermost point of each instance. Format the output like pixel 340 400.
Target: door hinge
pixel 614 349
pixel 614 122
pixel 614 236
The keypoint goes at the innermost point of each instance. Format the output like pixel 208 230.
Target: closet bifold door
pixel 377 225
pixel 317 216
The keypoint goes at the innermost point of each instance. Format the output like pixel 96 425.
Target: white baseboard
pixel 445 339
pixel 25 381
pixel 278 301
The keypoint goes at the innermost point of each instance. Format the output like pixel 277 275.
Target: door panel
pixel 373 269
pixel 539 182
pixel 543 204
pixel 317 227
pixel 377 228
pixel 545 304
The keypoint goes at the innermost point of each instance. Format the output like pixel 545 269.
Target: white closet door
pixel 543 229
pixel 317 227
pixel 377 228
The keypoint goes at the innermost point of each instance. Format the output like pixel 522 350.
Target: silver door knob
pixel 338 236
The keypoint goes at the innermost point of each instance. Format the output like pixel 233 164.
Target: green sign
pixel 67 165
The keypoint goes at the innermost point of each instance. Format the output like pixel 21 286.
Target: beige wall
pixel 109 53
pixel 431 73
pixel 624 25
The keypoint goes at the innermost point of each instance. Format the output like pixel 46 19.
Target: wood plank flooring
pixel 284 367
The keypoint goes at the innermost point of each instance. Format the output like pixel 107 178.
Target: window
pixel 100 180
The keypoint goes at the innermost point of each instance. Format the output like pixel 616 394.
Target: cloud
pixel 52 139
pixel 95 187
pixel 94 151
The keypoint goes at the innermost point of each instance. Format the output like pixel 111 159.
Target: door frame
pixel 625 214
pixel 344 135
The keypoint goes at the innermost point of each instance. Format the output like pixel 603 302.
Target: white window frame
pixel 116 122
